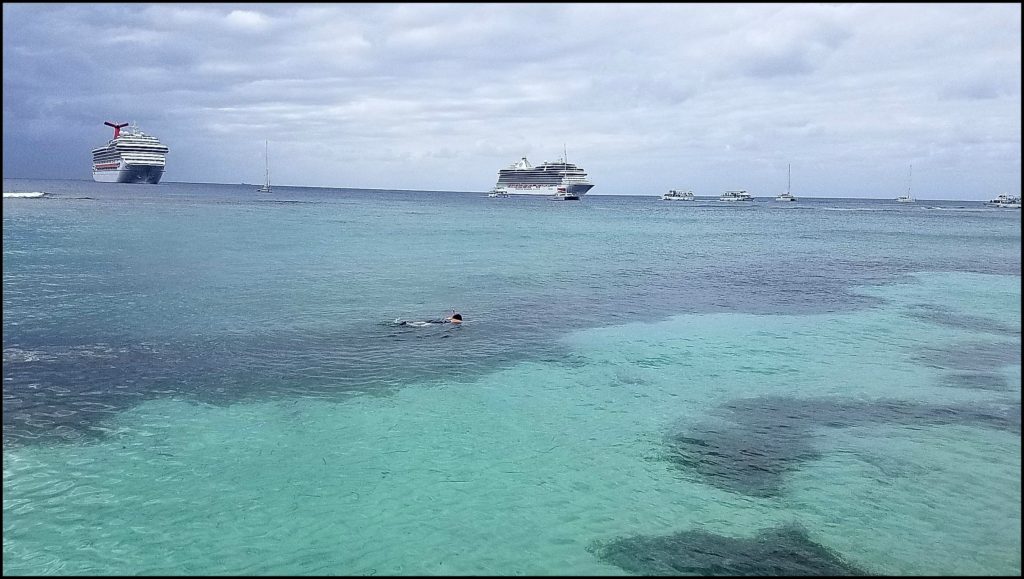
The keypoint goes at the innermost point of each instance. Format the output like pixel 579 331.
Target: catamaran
pixel 787 196
pixel 908 198
pixel 266 183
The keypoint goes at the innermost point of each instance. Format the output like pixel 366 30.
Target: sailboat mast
pixel 910 178
pixel 789 176
pixel 267 154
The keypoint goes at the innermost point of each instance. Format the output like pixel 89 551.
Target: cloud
pixel 638 93
pixel 247 20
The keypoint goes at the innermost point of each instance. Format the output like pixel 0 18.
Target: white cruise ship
pixel 130 157
pixel 561 180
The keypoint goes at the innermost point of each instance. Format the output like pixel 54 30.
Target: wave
pixel 47 354
pixel 24 194
pixel 986 209
pixel 859 208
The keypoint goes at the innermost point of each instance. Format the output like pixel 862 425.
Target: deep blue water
pixel 731 366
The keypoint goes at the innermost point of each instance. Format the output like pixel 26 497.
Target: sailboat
pixel 907 198
pixel 787 196
pixel 563 192
pixel 266 183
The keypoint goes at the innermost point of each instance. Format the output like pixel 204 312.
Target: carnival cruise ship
pixel 130 157
pixel 559 179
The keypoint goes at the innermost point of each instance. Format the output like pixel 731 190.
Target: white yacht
pixel 736 195
pixel 563 193
pixel 1006 200
pixel 677 195
pixel 497 193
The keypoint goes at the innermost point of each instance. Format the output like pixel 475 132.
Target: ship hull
pixel 149 174
pixel 576 189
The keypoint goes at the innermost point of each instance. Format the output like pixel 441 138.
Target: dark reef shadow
pixel 943 316
pixel 779 551
pixel 978 381
pixel 970 357
pixel 756 442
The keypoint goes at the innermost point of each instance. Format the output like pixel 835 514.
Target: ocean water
pixel 204 379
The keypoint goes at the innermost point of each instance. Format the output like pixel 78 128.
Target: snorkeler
pixel 455 318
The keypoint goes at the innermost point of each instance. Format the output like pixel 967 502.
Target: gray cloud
pixel 440 96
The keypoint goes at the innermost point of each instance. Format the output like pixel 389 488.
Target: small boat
pixel 787 196
pixel 1006 200
pixel 736 195
pixel 498 193
pixel 677 195
pixel 266 183
pixel 561 194
pixel 908 198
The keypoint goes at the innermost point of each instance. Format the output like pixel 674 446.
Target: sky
pixel 861 100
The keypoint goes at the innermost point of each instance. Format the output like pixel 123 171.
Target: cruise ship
pixel 130 157
pixel 561 180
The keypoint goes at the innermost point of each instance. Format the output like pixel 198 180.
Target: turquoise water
pixel 205 379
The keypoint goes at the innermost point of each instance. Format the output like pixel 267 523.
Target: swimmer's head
pixel 456 318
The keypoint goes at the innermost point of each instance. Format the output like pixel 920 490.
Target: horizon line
pixel 708 196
